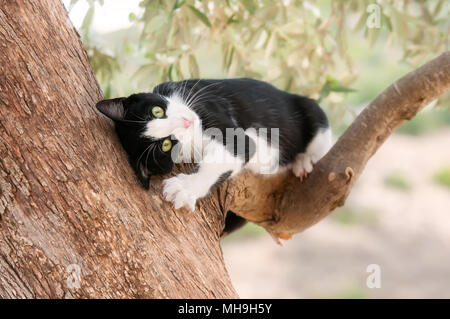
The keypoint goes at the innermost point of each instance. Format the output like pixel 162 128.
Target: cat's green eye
pixel 166 145
pixel 157 111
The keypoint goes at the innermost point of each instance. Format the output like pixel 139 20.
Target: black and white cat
pixel 225 126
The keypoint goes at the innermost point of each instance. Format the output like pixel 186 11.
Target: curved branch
pixel 284 206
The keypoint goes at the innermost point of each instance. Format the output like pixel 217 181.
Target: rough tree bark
pixel 67 196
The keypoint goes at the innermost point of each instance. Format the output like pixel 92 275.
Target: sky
pixel 112 16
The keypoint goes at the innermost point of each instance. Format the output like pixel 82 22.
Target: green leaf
pixel 288 84
pixel 250 5
pixel 202 17
pixel 71 4
pixel 225 51
pixel 178 71
pixel 387 22
pixel 361 22
pixel 332 85
pixel 169 73
pixel 178 4
pixel 193 66
pixel 107 91
pixel 331 79
pixel 230 58
pixel 438 8
pixel 88 18
pixel 342 89
pixel 232 19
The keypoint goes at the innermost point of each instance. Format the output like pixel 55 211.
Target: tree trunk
pixel 73 220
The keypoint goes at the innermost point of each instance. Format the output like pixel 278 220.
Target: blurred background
pixel 343 53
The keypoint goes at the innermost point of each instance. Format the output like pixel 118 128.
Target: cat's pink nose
pixel 186 123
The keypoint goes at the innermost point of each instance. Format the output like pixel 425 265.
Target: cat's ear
pixel 143 175
pixel 112 108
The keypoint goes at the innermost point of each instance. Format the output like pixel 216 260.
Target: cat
pixel 224 125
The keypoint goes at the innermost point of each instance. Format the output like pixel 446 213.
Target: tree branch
pixel 284 206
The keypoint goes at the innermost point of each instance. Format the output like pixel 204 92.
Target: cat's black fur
pixel 144 154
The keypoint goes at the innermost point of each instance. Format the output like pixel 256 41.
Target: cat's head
pixel 144 130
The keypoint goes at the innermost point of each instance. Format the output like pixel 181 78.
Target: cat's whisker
pixel 202 97
pixel 205 95
pixel 154 157
pixel 148 153
pixel 184 89
pixel 190 92
pixel 191 100
pixel 139 159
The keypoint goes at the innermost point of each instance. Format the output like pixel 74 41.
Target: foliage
pixel 300 46
pixel 442 177
pixel 250 230
pixel 355 216
pixel 398 181
pixel 426 121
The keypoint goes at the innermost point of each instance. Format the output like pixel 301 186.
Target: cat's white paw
pixel 178 191
pixel 316 149
pixel 303 165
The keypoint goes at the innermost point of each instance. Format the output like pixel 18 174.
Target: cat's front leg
pixel 177 190
pixel 217 165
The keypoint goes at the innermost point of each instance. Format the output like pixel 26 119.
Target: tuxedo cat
pixel 224 126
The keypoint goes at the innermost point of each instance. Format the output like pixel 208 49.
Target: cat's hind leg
pixel 316 149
